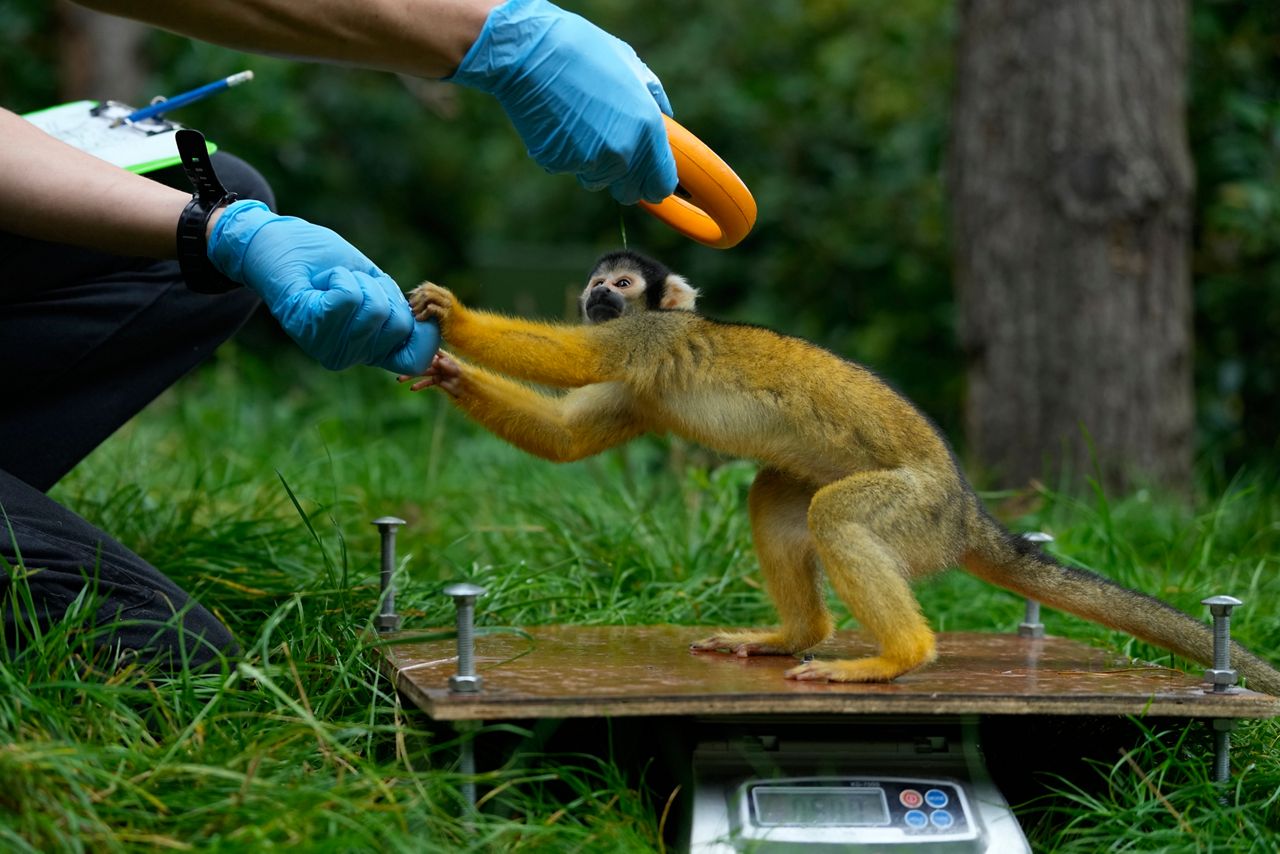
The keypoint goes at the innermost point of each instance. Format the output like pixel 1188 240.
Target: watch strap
pixel 208 196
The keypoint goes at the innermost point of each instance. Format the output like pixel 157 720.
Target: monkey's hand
pixel 432 302
pixel 562 355
pixel 444 372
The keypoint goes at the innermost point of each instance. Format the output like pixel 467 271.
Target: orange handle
pixel 720 210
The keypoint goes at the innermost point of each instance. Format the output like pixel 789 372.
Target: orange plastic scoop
pixel 711 204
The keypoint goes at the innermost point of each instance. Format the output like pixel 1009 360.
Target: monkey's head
pixel 624 282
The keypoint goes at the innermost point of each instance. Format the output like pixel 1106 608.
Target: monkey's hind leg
pixel 870 530
pixel 779 506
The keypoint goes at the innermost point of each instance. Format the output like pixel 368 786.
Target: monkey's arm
pixel 579 424
pixel 542 353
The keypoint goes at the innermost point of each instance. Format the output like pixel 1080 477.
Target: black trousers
pixel 87 340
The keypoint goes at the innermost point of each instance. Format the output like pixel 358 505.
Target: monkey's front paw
pixel 432 302
pixel 750 643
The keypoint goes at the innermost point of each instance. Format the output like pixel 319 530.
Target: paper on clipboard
pixel 141 147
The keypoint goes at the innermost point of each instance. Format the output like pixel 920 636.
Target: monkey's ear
pixel 678 294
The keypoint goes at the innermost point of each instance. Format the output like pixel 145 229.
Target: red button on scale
pixel 910 798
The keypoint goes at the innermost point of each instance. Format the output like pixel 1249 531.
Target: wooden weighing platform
pixel 595 671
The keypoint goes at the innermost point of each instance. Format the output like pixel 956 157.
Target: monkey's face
pixel 626 282
pixel 610 294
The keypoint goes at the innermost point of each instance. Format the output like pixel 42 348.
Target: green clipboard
pixel 95 128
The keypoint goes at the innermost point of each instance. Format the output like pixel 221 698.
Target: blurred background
pixel 866 131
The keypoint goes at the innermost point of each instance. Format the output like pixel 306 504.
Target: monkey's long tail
pixel 997 556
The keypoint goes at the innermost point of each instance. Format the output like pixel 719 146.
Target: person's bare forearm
pixel 427 38
pixel 52 191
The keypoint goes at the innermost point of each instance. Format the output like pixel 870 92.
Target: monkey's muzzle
pixel 603 304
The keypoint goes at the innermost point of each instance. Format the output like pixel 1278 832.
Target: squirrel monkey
pixel 854 482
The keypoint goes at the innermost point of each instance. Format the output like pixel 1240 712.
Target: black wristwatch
pixel 193 256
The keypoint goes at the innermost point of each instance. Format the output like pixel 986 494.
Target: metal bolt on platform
pixel 464 597
pixel 1223 680
pixel 1031 627
pixel 387 619
pixel 1221 676
pixel 1222 729
pixel 466 681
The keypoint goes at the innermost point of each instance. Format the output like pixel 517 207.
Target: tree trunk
pixel 1071 185
pixel 101 56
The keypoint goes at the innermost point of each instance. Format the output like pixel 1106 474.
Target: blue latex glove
pixel 581 99
pixel 340 308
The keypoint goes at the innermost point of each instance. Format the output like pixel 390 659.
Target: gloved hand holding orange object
pixel 580 98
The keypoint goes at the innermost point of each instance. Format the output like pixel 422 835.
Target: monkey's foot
pixel 745 644
pixel 877 669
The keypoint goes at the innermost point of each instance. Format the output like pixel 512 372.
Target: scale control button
pixel 910 798
pixel 941 819
pixel 936 798
pixel 915 819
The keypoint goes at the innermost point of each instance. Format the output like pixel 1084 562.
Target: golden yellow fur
pixel 855 482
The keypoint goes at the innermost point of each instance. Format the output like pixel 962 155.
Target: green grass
pixel 300 742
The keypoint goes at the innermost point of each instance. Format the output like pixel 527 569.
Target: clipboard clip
pixel 118 113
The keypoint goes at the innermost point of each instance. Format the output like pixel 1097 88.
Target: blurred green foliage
pixel 28 55
pixel 1235 138
pixel 835 114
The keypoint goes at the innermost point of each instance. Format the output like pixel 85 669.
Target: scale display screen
pixel 819 806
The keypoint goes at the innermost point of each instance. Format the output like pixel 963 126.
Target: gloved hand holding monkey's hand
pixel 331 299
pixel 432 303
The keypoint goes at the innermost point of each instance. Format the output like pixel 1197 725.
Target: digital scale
pixel 772 785
pixel 777 765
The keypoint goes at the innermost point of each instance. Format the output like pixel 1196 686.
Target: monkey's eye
pixel 624 282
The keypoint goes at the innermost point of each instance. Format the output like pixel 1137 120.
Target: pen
pixel 166 104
